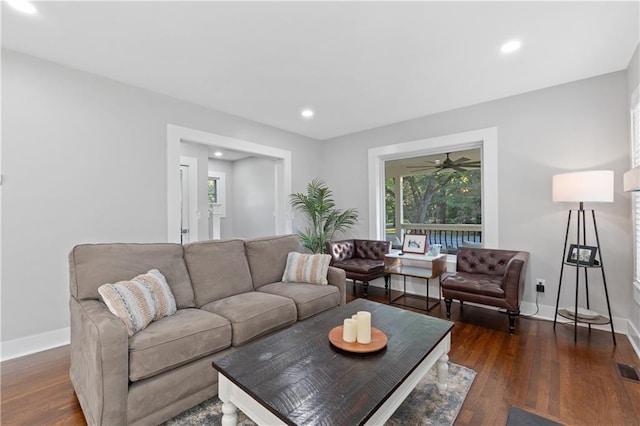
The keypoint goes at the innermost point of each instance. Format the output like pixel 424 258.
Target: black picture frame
pixel 587 255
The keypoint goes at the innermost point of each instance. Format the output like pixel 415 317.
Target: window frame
pixel 487 139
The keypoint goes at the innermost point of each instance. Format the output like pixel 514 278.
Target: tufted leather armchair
pixel 362 260
pixel 489 277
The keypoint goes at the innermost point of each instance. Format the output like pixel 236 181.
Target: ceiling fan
pixel 461 164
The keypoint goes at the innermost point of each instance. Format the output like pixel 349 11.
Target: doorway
pixel 282 175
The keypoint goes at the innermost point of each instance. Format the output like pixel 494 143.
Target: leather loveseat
pixel 362 260
pixel 489 277
pixel 227 294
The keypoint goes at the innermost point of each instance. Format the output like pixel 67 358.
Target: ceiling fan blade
pixel 422 167
pixel 461 160
pixel 458 169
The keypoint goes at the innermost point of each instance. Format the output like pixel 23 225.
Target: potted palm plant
pixel 324 218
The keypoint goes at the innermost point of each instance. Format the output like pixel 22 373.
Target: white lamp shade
pixel 632 180
pixel 589 186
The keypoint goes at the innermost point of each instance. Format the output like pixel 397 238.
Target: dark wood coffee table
pixel 297 377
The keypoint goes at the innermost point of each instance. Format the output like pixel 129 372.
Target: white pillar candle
pixel 364 327
pixel 349 330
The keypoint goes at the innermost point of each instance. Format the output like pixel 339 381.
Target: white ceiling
pixel 359 65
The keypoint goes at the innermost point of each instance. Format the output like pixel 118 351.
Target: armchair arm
pixel 338 278
pixel 99 362
pixel 514 278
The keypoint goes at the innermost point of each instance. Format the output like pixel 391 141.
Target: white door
pixel 184 200
pixel 189 214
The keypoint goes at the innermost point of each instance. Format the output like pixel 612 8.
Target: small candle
pixel 349 330
pixel 364 327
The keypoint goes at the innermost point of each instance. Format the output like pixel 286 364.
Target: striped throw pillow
pixel 138 302
pixel 306 268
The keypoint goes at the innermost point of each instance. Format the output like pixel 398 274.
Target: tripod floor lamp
pixel 594 186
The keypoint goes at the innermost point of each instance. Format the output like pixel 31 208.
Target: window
pixel 439 195
pixel 213 190
pixel 635 159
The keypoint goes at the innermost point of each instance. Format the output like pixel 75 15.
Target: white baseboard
pixel 634 338
pixel 35 343
pixel 620 325
pixel 545 312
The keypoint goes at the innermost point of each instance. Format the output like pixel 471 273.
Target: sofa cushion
pixel 254 314
pixel 310 299
pixel 267 257
pixel 361 266
pixel 145 298
pixel 176 340
pixel 306 268
pixel 91 265
pixel 484 285
pixel 218 269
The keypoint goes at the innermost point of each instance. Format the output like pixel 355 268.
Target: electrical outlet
pixel 540 285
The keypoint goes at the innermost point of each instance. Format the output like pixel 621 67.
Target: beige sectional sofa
pixel 227 293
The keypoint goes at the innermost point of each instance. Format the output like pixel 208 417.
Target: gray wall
pixel 578 126
pixel 253 193
pixel 84 161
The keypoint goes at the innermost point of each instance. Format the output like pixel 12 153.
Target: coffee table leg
pixel 229 414
pixel 229 410
pixel 442 372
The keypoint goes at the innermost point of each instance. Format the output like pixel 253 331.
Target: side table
pixel 417 266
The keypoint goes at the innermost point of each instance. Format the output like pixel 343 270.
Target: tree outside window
pixel 442 198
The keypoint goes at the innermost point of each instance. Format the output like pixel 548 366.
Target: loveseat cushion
pixel 187 335
pixel 254 314
pixel 483 261
pixel 341 250
pixel 361 266
pixel 267 257
pixel 371 249
pixel 480 284
pixel 310 299
pixel 218 269
pixel 91 265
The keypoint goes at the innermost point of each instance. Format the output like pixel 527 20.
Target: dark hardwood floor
pixel 535 369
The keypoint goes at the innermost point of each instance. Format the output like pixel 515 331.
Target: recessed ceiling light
pixel 307 113
pixel 510 46
pixel 217 154
pixel 23 6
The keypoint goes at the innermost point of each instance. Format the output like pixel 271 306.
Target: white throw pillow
pixel 306 268
pixel 138 302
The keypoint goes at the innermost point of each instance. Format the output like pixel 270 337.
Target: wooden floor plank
pixel 536 369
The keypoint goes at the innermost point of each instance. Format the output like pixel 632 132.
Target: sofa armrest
pixel 99 362
pixel 338 278
pixel 514 278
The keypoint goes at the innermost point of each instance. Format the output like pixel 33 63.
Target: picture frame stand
pixel 568 259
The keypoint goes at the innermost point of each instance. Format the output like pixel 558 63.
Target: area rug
pixel 424 405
